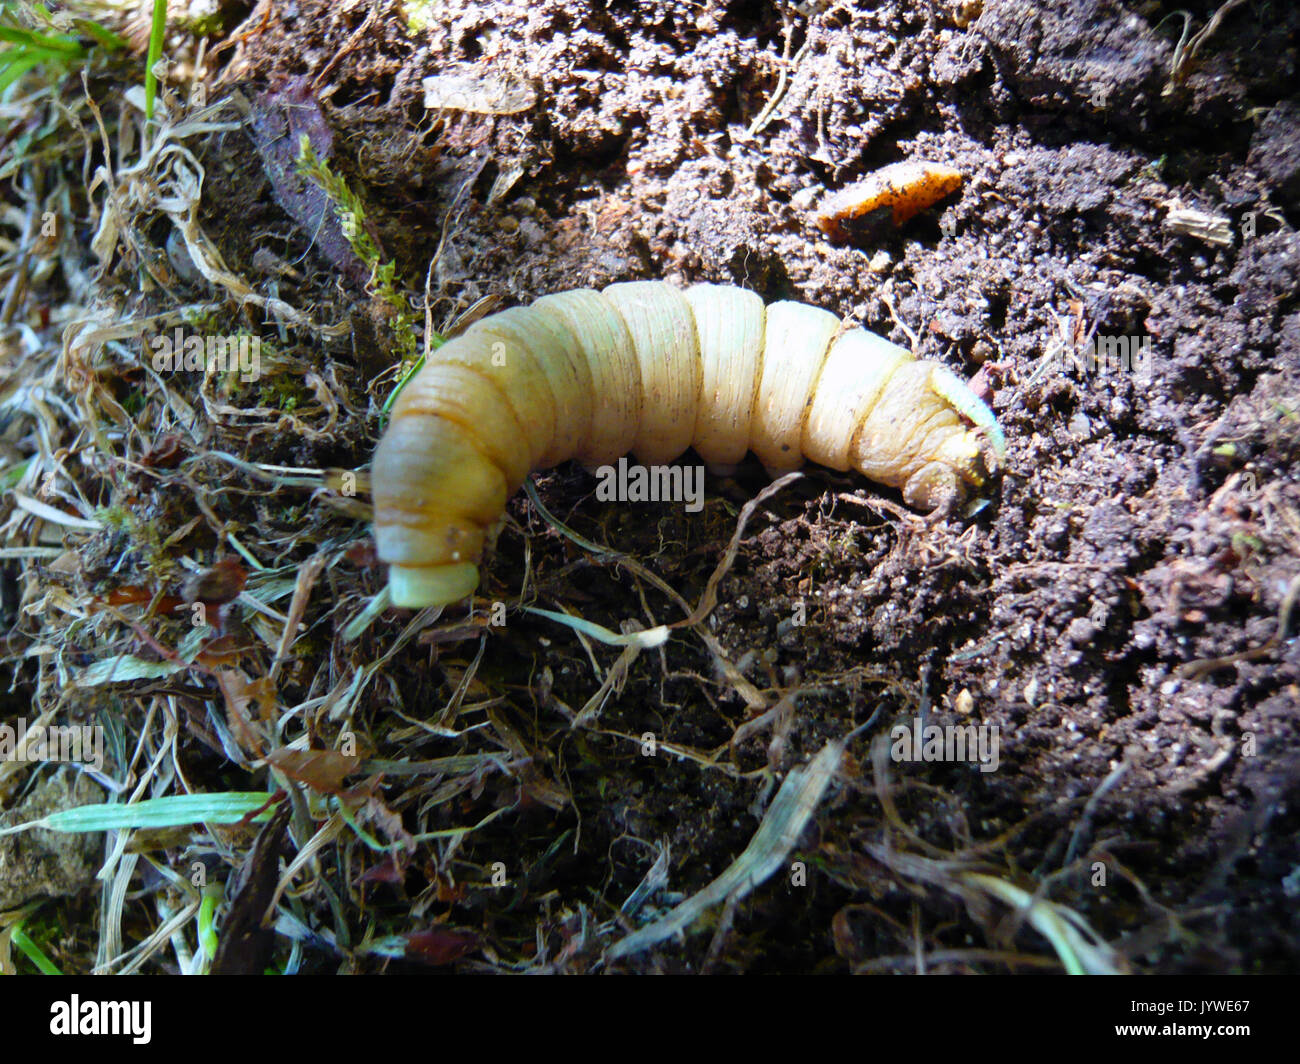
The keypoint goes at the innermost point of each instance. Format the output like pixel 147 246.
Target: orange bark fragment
pixel 905 189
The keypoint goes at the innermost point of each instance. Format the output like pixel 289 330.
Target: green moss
pixel 134 403
pixel 351 213
pixel 144 536
pixel 203 321
pixel 419 13
pixel 1244 544
pixel 282 392
pixel 115 516
pixel 1154 170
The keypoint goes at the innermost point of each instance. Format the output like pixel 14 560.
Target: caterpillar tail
pixel 415 587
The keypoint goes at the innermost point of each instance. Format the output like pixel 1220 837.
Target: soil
pixel 1119 610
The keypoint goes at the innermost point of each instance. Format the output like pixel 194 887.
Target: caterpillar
pixel 647 367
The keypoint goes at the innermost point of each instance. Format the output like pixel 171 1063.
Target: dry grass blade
pixel 776 836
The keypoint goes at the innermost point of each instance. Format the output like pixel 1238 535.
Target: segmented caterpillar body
pixel 649 368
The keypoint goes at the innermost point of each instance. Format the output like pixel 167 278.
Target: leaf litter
pixel 186 557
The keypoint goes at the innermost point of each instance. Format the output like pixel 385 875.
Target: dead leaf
pixel 440 945
pixel 240 694
pixel 321 770
pixel 216 585
pixel 246 944
pixel 166 453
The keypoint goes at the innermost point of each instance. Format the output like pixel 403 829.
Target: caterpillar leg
pixel 989 453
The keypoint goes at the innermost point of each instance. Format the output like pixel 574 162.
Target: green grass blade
pixel 208 919
pixel 106 37
pixel 33 952
pixel 156 35
pixel 170 812
pixel 13 69
pixel 63 47
pixel 416 366
pixel 651 637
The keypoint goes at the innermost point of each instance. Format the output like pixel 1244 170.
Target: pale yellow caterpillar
pixel 649 368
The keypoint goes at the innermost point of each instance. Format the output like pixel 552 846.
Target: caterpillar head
pixel 968 457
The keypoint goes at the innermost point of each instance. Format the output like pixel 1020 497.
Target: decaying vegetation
pixel 636 751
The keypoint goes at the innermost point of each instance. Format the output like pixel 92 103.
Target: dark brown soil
pixel 1100 611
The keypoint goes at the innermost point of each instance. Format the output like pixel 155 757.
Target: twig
pixel 1193 669
pixel 1186 51
pixel 765 115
